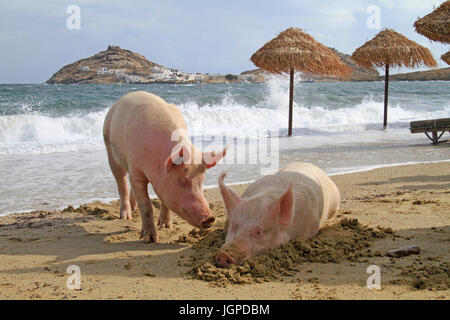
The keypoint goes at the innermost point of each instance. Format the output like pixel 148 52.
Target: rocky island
pixel 117 65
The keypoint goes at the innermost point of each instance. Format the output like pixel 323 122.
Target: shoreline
pixel 412 201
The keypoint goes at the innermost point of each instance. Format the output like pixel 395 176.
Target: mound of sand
pixel 346 240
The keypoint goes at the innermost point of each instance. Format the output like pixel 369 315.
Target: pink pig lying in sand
pixel 138 133
pixel 294 202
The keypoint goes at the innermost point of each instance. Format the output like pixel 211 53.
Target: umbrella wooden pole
pixel 291 100
pixel 386 90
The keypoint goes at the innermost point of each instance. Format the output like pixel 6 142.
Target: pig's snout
pixel 224 260
pixel 207 222
pixel 199 218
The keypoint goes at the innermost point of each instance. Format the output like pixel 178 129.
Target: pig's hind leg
pixel 120 175
pixel 140 190
pixel 133 202
pixel 164 217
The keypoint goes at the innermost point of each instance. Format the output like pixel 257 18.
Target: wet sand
pixel 381 209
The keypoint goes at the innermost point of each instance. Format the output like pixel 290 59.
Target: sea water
pixel 52 152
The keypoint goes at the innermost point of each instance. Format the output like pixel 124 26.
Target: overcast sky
pixel 214 36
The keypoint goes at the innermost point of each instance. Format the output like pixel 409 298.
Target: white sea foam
pixel 34 133
pixel 232 117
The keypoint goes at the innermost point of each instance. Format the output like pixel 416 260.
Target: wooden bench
pixel 434 126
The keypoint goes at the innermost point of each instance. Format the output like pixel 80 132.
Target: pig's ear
pixel 230 198
pixel 210 159
pixel 282 210
pixel 178 158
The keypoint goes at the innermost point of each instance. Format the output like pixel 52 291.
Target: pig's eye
pixel 257 232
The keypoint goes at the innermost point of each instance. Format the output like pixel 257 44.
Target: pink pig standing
pixel 138 133
pixel 294 202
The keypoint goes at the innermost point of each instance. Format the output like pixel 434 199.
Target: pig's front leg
pixel 148 232
pixel 165 220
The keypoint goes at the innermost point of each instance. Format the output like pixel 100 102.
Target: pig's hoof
pixel 165 224
pixel 151 237
pixel 126 215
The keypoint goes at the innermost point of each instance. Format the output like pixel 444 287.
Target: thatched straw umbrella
pixel 436 25
pixel 390 49
pixel 293 50
pixel 446 57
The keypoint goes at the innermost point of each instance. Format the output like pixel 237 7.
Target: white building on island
pixel 102 70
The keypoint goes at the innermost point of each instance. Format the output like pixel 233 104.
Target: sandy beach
pixel 394 207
